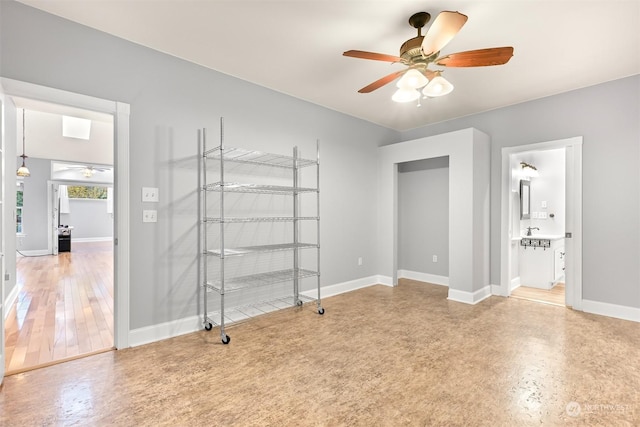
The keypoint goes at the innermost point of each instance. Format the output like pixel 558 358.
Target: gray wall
pixel 35 220
pixel 170 99
pixel 423 216
pixel 89 219
pixel 607 116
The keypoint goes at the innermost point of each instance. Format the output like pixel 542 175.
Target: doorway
pixel 120 113
pixel 541 250
pixel 62 303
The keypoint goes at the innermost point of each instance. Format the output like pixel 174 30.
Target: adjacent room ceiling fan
pixel 421 52
pixel 88 170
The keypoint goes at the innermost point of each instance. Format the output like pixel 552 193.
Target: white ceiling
pixel 43 133
pixel 295 47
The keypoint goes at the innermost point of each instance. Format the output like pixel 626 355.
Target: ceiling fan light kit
pixel 405 95
pixel 412 79
pixel 419 52
pixel 438 86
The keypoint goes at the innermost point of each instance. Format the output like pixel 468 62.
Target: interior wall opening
pixel 423 220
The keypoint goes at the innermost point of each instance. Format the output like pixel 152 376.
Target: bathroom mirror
pixel 525 198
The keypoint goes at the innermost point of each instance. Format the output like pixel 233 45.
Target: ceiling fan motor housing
pixel 411 51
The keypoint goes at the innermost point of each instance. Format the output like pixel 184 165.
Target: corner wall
pixel 606 116
pixel 468 152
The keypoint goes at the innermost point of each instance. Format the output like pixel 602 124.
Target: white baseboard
pixel 515 283
pixel 33 252
pixel 611 310
pixel 165 330
pixel 352 285
pixel 91 239
pixel 384 280
pixel 424 277
pixel 10 300
pixel 497 290
pixel 469 297
pixel 191 324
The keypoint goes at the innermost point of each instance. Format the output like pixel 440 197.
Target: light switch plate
pixel 149 194
pixel 149 216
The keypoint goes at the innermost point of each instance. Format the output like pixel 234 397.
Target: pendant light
pixel 23 170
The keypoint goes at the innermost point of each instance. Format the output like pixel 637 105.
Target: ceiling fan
pixel 420 52
pixel 88 170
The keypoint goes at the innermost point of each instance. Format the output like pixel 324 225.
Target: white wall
pixel 549 186
pixel 43 132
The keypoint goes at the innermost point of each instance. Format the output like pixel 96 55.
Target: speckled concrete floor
pixel 380 356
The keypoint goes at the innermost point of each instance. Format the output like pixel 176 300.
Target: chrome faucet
pixel 531 228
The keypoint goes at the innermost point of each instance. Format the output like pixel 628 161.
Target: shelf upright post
pixel 319 304
pixel 296 289
pixel 203 222
pixel 222 334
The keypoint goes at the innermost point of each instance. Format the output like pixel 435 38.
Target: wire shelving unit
pixel 221 283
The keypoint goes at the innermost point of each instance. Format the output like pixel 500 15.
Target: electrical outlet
pixel 149 216
pixel 543 204
pixel 435 258
pixel 542 215
pixel 360 261
pixel 149 194
pixel 534 215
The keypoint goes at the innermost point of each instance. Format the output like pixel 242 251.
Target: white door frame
pixel 3 307
pixel 120 113
pixel 573 207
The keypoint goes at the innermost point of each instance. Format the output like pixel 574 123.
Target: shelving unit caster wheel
pixel 226 339
pixel 321 311
pixel 208 326
pixel 299 303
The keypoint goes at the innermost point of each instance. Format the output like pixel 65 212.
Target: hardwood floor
pixel 553 296
pixel 64 307
pixel 379 356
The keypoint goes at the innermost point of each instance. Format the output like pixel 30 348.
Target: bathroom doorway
pixel 541 222
pixel 538 225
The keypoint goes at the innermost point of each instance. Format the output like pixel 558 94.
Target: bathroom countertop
pixel 543 236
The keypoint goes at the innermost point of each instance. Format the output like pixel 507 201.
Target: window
pixel 19 207
pixel 86 192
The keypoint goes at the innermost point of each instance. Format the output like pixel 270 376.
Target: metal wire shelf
pixel 216 280
pixel 245 312
pixel 237 187
pixel 259 219
pixel 261 279
pixel 228 252
pixel 240 155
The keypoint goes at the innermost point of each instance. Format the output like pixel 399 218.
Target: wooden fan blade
pixel 372 55
pixel 444 28
pixel 477 58
pixel 381 82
